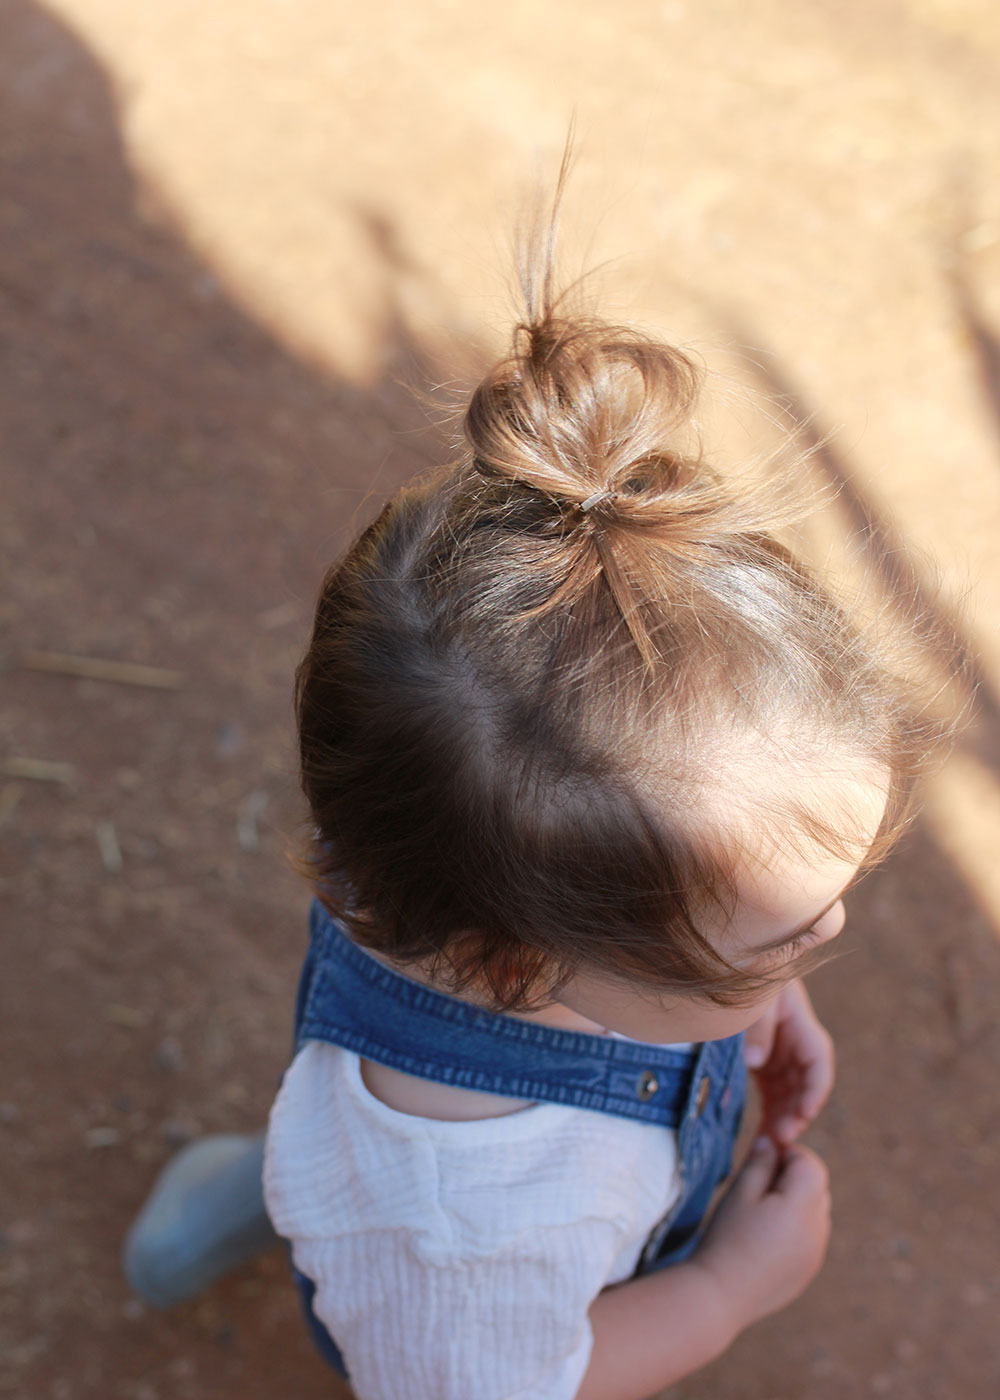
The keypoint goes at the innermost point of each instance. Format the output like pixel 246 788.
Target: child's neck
pixel 556 1015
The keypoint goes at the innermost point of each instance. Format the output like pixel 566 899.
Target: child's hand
pixel 792 1057
pixel 767 1240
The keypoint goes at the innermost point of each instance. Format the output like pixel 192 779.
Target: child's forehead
pixel 783 878
pixel 792 889
pixel 756 809
pixel 753 787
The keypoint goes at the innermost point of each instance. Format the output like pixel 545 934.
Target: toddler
pixel 590 759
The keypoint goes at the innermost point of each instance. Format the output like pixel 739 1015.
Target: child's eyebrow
pixel 797 933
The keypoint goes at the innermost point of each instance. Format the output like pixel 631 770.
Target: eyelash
pixel 794 945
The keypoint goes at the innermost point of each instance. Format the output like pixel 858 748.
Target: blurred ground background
pixel 227 232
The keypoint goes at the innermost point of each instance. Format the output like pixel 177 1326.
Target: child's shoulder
pixel 427 1098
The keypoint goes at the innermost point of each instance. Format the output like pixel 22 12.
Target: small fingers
pixel 788 1127
pixel 819 1082
pixel 794 1101
pixel 757 1172
pixel 802 1173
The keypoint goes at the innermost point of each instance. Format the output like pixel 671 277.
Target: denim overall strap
pixel 349 998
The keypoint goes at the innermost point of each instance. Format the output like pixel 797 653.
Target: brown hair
pixel 527 671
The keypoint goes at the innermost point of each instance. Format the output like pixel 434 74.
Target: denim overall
pixel 351 999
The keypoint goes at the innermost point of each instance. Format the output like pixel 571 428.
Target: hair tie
pixel 605 493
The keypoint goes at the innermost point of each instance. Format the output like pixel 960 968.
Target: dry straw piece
pixel 95 668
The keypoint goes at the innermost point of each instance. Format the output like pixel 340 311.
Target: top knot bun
pixel 590 415
pixel 595 420
pixel 587 412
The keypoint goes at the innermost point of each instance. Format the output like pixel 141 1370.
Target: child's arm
pixel 765 1244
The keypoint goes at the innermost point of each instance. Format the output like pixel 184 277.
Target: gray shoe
pixel 203 1217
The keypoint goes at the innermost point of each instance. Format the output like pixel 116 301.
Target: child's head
pixel 572 717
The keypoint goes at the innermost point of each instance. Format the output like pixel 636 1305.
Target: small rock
pixel 168 1055
pixel 177 1131
pixel 246 822
pixel 102 1137
pixel 228 738
pixel 107 843
pixel 9 1113
pixel 121 1015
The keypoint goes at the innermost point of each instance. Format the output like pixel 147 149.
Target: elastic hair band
pixel 604 493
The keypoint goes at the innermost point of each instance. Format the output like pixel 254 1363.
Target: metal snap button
pixel 647 1085
pixel 704 1088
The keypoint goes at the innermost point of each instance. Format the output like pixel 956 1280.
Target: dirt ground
pixel 228 234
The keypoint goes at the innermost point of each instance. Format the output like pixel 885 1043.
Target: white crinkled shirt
pixel 458 1260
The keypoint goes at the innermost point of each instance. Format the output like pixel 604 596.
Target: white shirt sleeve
pixel 511 1326
pixel 457 1260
